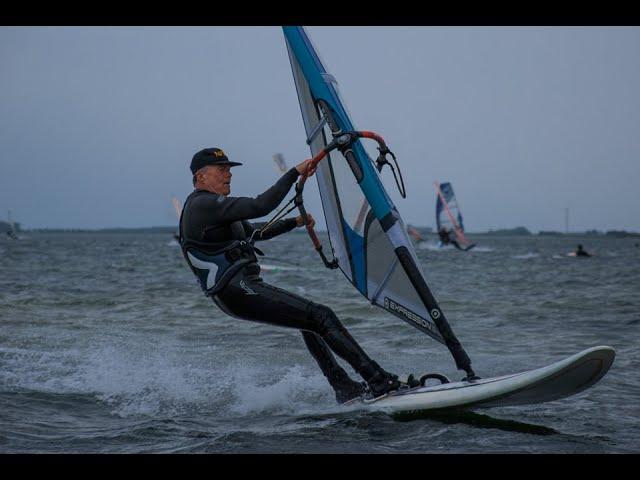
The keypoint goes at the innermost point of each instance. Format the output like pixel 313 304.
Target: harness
pixel 215 267
pixel 214 264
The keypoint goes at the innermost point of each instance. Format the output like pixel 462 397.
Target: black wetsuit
pixel 209 218
pixel 445 238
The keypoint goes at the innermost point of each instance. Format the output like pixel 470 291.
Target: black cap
pixel 210 156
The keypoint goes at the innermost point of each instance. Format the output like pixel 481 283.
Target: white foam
pixel 297 391
pixel 267 267
pixel 526 256
pixel 147 381
pixel 140 376
pixel 481 249
pixel 434 246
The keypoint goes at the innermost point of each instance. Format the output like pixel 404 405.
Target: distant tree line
pixel 6 227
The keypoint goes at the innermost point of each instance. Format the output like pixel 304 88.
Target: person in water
pixel 443 233
pixel 445 238
pixel 580 252
pixel 217 241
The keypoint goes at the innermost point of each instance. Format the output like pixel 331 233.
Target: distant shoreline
pixel 519 231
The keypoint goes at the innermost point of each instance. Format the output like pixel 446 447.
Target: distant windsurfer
pixel 215 236
pixel 581 252
pixel 11 234
pixel 445 238
pixel 443 233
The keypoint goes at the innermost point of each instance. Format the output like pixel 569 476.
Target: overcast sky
pixel 98 125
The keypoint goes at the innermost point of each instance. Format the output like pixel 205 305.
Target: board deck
pixel 558 380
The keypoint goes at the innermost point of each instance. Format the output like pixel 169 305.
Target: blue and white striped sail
pixel 442 218
pixel 367 234
pixel 448 214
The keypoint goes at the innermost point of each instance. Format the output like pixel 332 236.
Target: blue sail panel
pixel 324 87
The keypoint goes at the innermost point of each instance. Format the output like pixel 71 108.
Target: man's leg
pixel 249 298
pixel 342 384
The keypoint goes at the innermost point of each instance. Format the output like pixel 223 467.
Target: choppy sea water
pixel 108 345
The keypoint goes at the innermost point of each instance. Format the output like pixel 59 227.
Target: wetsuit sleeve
pixel 281 226
pixel 230 209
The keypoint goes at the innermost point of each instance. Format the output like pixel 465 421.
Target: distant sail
pixel 177 206
pixel 448 213
pixel 414 234
pixel 11 233
pixel 281 164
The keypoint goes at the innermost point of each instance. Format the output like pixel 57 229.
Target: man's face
pixel 217 179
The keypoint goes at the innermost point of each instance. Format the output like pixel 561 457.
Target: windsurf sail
pixel 414 233
pixel 280 162
pixel 448 215
pixel 12 232
pixel 178 208
pixel 368 238
pixel 176 205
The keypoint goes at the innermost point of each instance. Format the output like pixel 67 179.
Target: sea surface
pixel 107 345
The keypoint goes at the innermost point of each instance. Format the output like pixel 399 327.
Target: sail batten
pixel 316 130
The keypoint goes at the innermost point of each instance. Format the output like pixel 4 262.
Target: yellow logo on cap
pixel 219 153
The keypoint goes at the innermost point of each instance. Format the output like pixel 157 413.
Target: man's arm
pixel 230 209
pixel 278 228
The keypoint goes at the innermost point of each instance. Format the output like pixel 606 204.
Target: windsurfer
pixel 213 222
pixel 445 238
pixel 581 252
pixel 443 233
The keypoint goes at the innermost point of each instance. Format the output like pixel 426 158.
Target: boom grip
pixel 314 237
